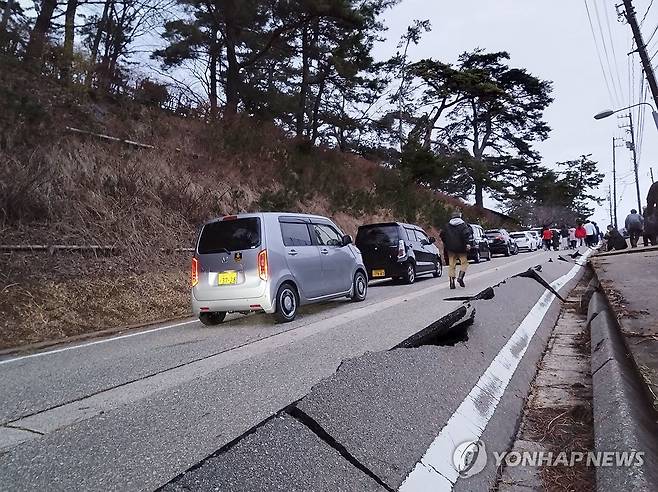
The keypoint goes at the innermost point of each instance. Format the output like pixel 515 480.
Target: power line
pixel 631 73
pixel 654 55
pixel 639 134
pixel 598 52
pixel 614 53
pixel 607 55
pixel 646 13
pixel 652 35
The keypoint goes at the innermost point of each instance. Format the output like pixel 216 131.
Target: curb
pixel 624 418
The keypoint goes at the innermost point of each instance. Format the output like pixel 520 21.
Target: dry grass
pixel 50 307
pixel 563 430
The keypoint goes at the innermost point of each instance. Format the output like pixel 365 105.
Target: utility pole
pixel 635 167
pixel 614 180
pixel 610 206
pixel 651 171
pixel 629 14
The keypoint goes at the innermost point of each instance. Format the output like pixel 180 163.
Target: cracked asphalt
pixel 135 413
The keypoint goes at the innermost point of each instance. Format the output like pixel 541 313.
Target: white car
pixel 535 235
pixel 524 241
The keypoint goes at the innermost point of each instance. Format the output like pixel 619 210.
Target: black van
pixel 399 251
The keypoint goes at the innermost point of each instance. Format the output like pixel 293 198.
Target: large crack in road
pixel 445 331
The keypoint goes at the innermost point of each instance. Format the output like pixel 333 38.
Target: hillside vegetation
pixel 59 187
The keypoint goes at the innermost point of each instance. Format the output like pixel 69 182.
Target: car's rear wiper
pixel 222 250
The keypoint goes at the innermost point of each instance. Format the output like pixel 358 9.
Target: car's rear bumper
pixel 390 270
pixel 261 303
pixel 498 248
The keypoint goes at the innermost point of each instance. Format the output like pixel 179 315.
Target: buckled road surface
pixel 136 411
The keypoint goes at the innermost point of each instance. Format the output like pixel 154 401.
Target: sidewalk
pixel 629 280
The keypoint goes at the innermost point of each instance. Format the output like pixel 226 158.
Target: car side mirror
pixel 432 239
pixel 347 239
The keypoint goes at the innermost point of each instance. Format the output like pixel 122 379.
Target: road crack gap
pixel 447 330
pixel 18 427
pixel 319 431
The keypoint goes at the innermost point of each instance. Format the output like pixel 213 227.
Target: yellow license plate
pixel 227 278
pixel 378 273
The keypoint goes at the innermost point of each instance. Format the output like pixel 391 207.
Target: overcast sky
pixel 553 40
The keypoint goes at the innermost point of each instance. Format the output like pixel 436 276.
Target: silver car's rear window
pixel 230 235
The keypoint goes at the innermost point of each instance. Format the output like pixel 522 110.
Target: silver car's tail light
pixel 262 265
pixel 195 272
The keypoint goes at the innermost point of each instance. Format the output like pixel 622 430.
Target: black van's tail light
pixel 401 249
pixel 262 265
pixel 195 272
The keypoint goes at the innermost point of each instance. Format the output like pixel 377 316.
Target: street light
pixel 610 112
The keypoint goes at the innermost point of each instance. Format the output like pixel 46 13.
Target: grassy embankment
pixel 58 187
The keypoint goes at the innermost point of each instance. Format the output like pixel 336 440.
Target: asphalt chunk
pixel 284 455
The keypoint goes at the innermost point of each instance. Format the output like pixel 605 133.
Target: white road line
pixel 357 314
pixel 435 471
pixel 96 342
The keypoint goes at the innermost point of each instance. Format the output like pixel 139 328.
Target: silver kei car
pixel 272 262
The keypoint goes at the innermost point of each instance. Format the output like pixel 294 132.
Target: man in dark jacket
pixel 650 228
pixel 457 236
pixel 651 215
pixel 634 225
pixel 614 239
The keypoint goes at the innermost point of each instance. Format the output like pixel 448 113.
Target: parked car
pixel 500 242
pixel 536 237
pixel 272 262
pixel 479 245
pixel 524 241
pixel 399 251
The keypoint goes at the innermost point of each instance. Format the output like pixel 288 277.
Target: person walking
pixel 598 233
pixel 556 239
pixel 457 236
pixel 590 230
pixel 651 215
pixel 580 233
pixel 634 225
pixel 547 238
pixel 650 228
pixel 646 237
pixel 564 237
pixel 572 237
pixel 614 240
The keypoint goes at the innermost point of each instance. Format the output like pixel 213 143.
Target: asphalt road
pixel 132 412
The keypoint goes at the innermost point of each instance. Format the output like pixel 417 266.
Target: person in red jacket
pixel 581 234
pixel 547 238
